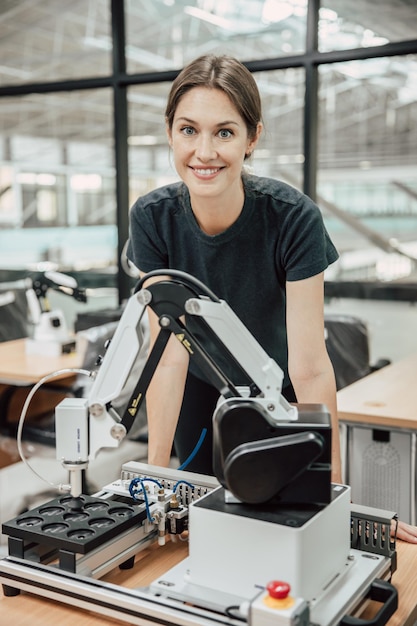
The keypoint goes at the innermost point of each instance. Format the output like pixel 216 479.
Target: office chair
pixel 347 342
pixel 13 311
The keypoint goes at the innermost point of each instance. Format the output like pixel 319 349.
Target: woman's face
pixel 209 139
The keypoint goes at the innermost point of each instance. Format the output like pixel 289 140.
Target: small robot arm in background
pixel 50 328
pixel 255 428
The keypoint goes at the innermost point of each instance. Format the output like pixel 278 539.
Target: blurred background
pixel 83 86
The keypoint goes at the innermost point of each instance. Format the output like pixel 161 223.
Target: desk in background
pixel 379 413
pixel 19 371
pixel 18 368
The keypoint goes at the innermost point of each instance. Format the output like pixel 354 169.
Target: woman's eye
pixel 225 133
pixel 187 130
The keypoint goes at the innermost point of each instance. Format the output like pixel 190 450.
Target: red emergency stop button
pixel 278 589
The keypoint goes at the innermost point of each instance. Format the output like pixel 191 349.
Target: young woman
pixel 257 243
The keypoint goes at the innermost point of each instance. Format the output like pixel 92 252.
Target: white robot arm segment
pixel 264 371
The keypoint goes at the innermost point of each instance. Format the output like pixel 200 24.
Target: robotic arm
pixel 252 425
pixel 59 282
pixel 170 300
pixel 38 296
pixel 50 325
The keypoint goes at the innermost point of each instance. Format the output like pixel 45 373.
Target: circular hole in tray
pixel 121 512
pixel 67 499
pixel 28 522
pixel 55 529
pixel 81 533
pixel 96 506
pixel 75 517
pixel 50 511
pixel 101 522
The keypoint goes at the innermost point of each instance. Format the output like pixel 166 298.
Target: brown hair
pixel 219 72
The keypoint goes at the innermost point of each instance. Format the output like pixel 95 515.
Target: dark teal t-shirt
pixel 279 236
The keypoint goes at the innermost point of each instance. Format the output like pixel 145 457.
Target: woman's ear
pixel 169 133
pixel 253 142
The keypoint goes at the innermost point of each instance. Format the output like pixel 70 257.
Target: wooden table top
pixel 387 397
pixel 31 610
pixel 20 369
pixel 27 609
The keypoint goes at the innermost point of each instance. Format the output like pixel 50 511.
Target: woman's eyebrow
pixel 224 123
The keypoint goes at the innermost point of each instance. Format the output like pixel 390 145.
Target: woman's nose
pixel 205 148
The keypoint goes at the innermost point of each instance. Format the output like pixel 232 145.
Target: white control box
pixel 71 430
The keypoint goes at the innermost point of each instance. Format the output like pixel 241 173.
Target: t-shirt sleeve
pixel 145 249
pixel 306 248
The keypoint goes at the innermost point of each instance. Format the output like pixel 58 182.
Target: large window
pixel 164 35
pixel 363 23
pixel 45 40
pixel 281 153
pixel 59 200
pixel 83 87
pixel 367 178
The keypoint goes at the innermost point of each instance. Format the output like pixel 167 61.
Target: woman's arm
pixel 165 394
pixel 310 369
pixel 309 365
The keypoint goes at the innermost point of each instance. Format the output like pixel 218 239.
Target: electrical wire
pixel 187 279
pixel 128 267
pixel 22 418
pixel 182 482
pixel 231 611
pixel 194 452
pixel 134 492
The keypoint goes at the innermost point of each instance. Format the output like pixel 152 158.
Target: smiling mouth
pixel 206 171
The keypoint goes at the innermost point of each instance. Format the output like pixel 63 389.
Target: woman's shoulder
pixel 166 196
pixel 276 189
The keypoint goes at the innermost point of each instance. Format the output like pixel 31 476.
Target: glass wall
pixel 45 40
pixel 367 177
pixel 363 23
pixel 280 152
pixel 58 202
pixel 249 29
pixel 83 88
